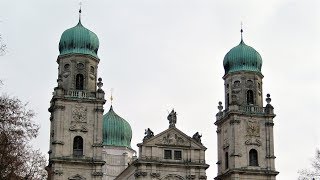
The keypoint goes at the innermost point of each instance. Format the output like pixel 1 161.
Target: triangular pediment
pixel 173 137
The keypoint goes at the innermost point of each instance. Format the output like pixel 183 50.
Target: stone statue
pixel 197 137
pixel 148 134
pixel 172 117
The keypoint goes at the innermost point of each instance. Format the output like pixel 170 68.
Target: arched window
pixel 79 82
pixel 250 97
pixel 253 157
pixel 226 158
pixel 227 100
pixel 78 146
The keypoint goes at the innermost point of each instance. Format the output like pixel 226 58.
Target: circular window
pixel 67 67
pixel 80 65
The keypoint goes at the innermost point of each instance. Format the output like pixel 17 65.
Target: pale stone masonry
pixel 245 127
pixel 169 155
pixel 75 141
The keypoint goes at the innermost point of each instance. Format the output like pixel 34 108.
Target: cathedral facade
pixel 86 144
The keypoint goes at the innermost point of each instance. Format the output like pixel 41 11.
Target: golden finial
pixel 80 4
pixel 241 32
pixel 111 97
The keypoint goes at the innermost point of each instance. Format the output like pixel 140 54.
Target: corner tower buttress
pixel 245 127
pixel 76 109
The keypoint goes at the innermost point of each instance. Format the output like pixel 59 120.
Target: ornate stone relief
pixel 202 177
pixel 253 141
pixel 191 176
pixel 79 113
pixel 226 144
pixel 97 173
pixel 77 127
pixel 173 139
pixel 253 128
pixel 155 175
pixel 76 177
pixel 140 173
pixel 173 177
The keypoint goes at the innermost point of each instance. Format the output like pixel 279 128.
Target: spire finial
pixel 80 4
pixel 241 31
pixel 111 97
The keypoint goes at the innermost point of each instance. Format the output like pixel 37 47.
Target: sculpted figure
pixel 172 117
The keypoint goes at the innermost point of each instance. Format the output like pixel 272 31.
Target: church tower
pixel 245 126
pixel 77 109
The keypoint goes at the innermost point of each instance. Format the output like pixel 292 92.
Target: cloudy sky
pixel 164 54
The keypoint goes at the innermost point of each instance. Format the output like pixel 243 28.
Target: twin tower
pixel 86 144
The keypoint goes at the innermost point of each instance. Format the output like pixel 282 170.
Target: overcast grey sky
pixel 164 54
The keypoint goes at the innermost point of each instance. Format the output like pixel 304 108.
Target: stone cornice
pixel 68 160
pixel 262 172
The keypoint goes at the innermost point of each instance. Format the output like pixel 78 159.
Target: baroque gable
pixel 173 137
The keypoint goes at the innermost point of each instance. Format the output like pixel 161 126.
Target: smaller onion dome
pixel 242 58
pixel 79 40
pixel 116 130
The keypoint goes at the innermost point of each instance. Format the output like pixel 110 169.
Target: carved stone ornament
pixel 197 137
pixel 172 117
pixel 79 113
pixel 253 128
pixel 171 139
pixel 251 141
pixel 66 74
pixel 58 172
pixel 202 177
pixel 140 173
pixel 191 176
pixel 97 173
pixel 148 134
pixel 155 175
pixel 226 144
pixel 76 177
pixel 173 177
pixel 77 128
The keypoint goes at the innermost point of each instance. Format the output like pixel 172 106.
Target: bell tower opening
pixel 227 160
pixel 250 99
pixel 253 158
pixel 78 146
pixel 79 82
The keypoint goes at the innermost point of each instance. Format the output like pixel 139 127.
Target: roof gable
pixel 173 137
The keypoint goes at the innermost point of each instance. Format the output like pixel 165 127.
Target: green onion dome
pixel 116 130
pixel 242 58
pixel 79 40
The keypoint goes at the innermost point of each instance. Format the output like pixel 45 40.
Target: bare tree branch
pixel 17 159
pixel 3 47
pixel 314 173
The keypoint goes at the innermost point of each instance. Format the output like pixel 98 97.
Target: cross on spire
pixel 241 31
pixel 80 4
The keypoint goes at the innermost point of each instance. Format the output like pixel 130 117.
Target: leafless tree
pixel 314 173
pixel 17 158
pixel 3 47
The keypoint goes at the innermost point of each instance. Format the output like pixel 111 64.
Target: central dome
pixel 79 40
pixel 116 130
pixel 242 58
